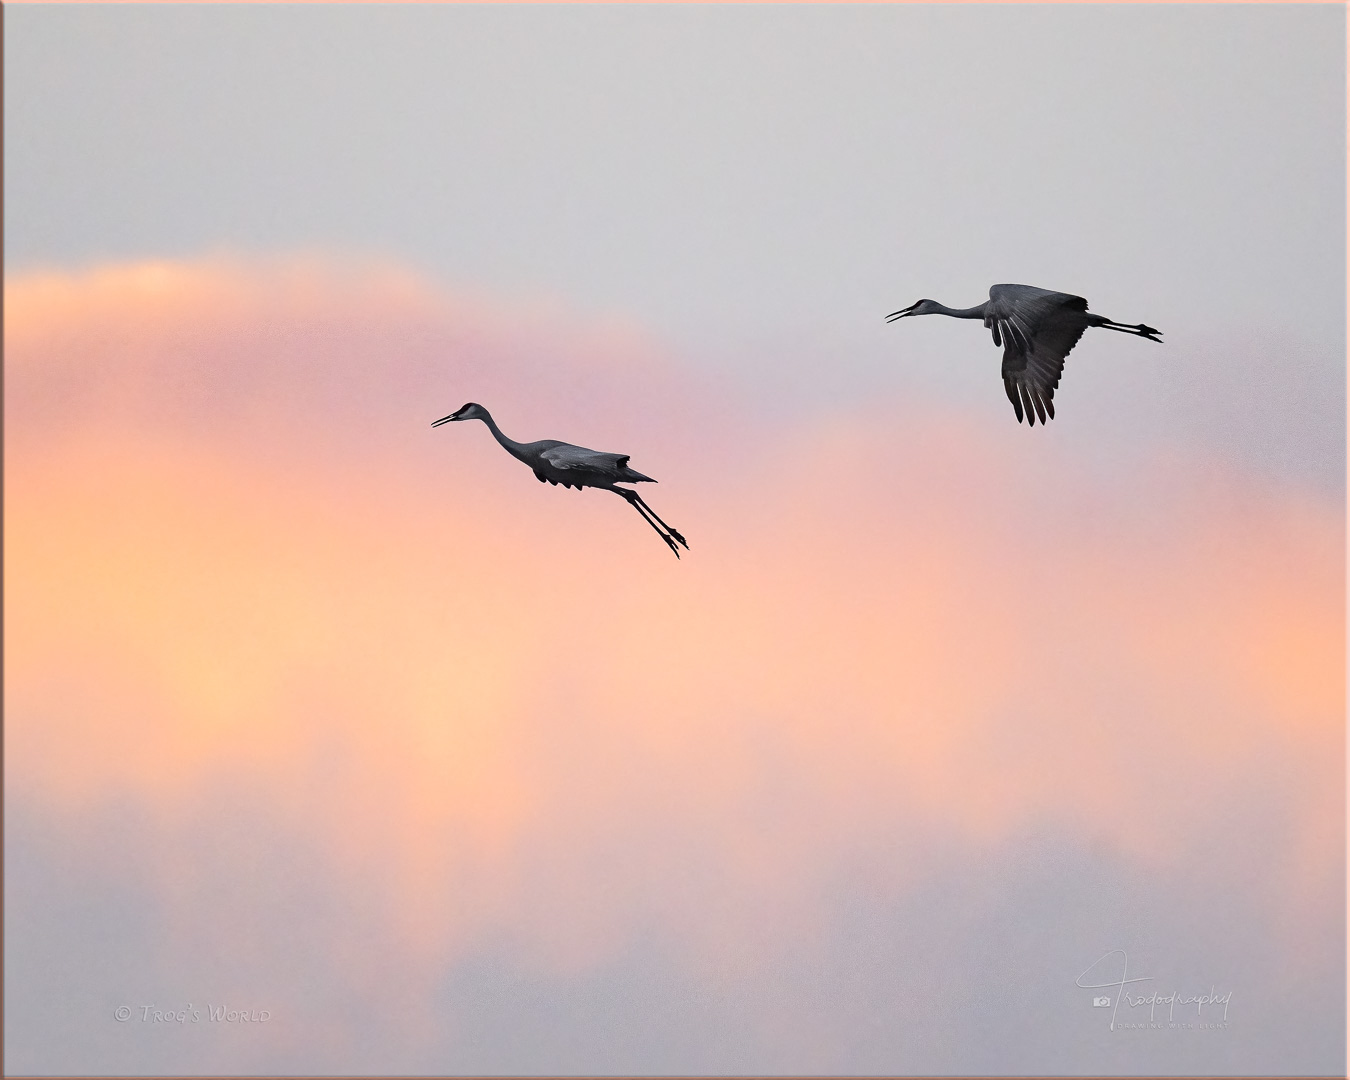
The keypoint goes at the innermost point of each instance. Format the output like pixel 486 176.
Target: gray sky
pixel 753 188
pixel 755 185
pixel 738 167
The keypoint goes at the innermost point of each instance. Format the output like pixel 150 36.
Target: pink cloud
pixel 236 548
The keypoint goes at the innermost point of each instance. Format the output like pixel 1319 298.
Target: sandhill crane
pixel 575 466
pixel 1036 328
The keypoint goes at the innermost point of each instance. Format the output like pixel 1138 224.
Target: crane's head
pixel 471 411
pixel 920 307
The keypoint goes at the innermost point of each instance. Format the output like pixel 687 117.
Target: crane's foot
pixel 671 544
pixel 676 536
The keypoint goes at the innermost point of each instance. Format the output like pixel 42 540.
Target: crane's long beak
pixel 446 419
pixel 901 313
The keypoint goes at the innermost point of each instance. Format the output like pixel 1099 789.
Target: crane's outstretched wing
pixel 589 465
pixel 1037 329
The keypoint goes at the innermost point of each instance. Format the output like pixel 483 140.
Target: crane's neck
pixel 512 447
pixel 976 312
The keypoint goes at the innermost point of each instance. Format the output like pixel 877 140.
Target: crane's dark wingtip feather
pixel 1035 402
pixel 1027 403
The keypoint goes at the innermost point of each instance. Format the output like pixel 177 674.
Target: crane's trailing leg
pixel 673 532
pixel 664 531
pixel 1127 328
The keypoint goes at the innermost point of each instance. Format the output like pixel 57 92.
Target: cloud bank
pixel 263 621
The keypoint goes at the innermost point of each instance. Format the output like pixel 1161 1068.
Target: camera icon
pixel 1101 1003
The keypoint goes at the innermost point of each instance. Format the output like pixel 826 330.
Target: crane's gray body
pixel 568 465
pixel 575 466
pixel 1037 329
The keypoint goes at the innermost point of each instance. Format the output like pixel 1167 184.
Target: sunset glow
pixel 439 669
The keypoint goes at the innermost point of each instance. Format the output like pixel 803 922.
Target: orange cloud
pixel 236 548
